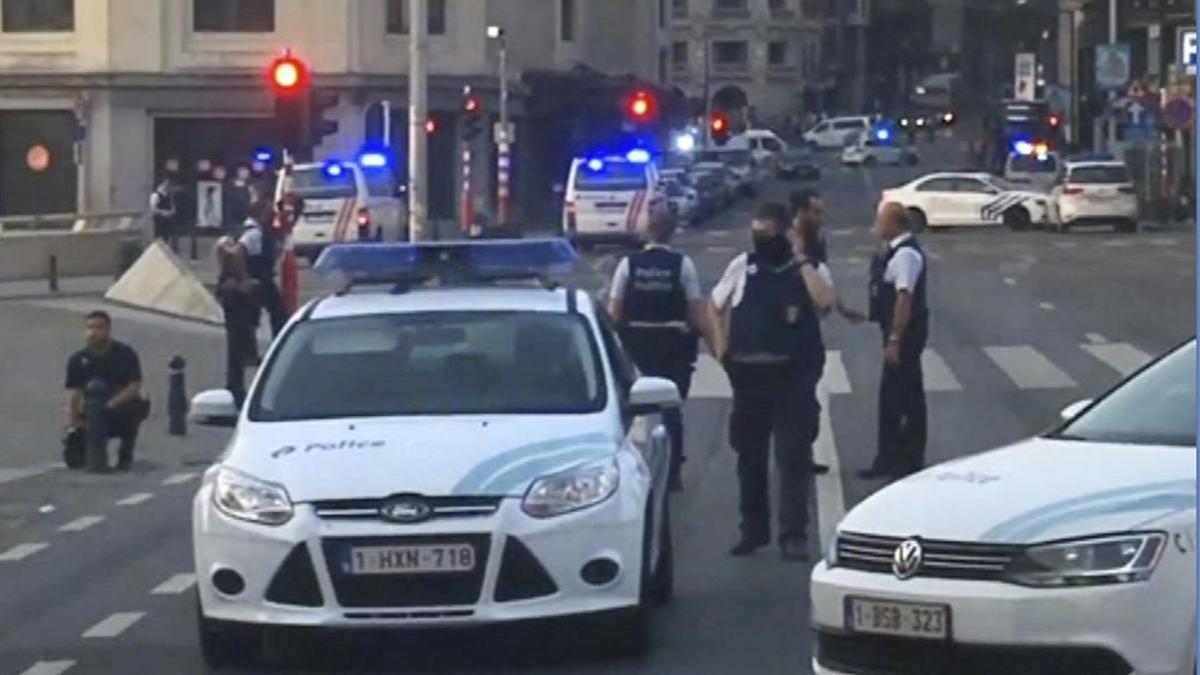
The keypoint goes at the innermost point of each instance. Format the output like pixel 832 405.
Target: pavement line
pixel 835 379
pixel 933 255
pixel 709 380
pixel 1163 242
pixel 1028 369
pixel 81 523
pixel 1010 281
pixel 1096 338
pixel 135 499
pixel 831 498
pixel 937 375
pixel 720 249
pixel 178 478
pixel 1122 356
pixel 1048 306
pixel 1065 244
pixel 114 625
pixel 10 475
pixel 717 233
pixel 49 668
pixel 175 585
pixel 22 551
pixel 1116 243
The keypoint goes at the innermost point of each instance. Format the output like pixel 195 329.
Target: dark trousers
pixel 121 422
pixel 902 415
pixel 167 229
pixel 241 318
pixel 773 401
pixel 270 299
pixel 681 375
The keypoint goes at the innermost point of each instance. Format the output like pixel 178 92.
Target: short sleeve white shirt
pixel 688 277
pixel 905 267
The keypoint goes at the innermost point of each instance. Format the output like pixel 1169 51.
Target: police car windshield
pixel 612 176
pixel 433 363
pixel 318 183
pixel 1099 175
pixel 1156 407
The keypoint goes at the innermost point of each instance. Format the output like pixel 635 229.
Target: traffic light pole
pixel 503 162
pixel 417 115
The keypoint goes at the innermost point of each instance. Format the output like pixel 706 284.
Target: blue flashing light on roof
pixel 372 160
pixel 263 154
pixel 595 164
pixel 638 156
pixel 1023 147
pixel 333 169
pixel 883 134
pixel 458 260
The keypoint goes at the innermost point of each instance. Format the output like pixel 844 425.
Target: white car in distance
pixel 950 199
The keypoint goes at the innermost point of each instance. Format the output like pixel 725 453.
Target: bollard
pixel 95 404
pixel 195 252
pixel 177 406
pixel 52 273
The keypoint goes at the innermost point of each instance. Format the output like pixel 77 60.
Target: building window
pixel 38 16
pixel 662 13
pixel 725 5
pixel 233 16
pixel 731 53
pixel 777 53
pixel 776 5
pixel 679 7
pixel 398 12
pixel 566 18
pixel 679 54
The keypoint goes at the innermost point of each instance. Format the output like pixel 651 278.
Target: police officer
pixel 899 306
pixel 262 252
pixel 656 302
pixel 768 303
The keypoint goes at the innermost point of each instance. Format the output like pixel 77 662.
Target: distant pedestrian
pixel 115 364
pixel 656 302
pixel 900 307
pixel 768 303
pixel 236 289
pixel 163 212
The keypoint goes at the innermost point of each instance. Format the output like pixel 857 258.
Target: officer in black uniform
pixel 899 306
pixel 769 302
pixel 656 302
pixel 262 253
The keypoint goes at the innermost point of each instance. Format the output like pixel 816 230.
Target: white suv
pixel 837 132
pixel 1094 192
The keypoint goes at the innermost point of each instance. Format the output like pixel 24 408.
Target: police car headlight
pixel 247 498
pixel 1089 562
pixel 571 490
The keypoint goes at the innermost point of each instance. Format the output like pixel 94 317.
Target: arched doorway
pixel 730 98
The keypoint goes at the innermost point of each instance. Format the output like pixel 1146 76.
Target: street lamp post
pixel 503 141
pixel 417 115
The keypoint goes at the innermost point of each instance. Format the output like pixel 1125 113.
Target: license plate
pixel 906 619
pixel 421 559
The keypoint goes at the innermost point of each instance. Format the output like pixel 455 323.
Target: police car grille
pixel 442 590
pixel 943 559
pixel 443 507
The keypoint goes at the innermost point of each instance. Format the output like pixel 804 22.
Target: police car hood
pixel 368 458
pixel 1037 490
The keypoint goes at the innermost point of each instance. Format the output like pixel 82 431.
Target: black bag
pixel 74 448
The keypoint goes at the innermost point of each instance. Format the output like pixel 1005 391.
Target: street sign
pixel 1025 83
pixel 37 158
pixel 1186 39
pixel 1112 66
pixel 1179 113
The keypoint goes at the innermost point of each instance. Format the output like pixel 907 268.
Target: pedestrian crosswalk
pixel 1022 367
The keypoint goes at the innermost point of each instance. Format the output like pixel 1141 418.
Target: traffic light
pixel 315 127
pixel 431 125
pixel 1055 120
pixel 718 127
pixel 287 77
pixel 641 107
pixel 472 111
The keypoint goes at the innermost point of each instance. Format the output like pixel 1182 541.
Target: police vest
pixel 883 297
pixel 776 317
pixel 262 266
pixel 654 323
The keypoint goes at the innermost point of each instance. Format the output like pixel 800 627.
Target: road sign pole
pixel 417 116
pixel 1111 137
pixel 503 162
pixel 468 211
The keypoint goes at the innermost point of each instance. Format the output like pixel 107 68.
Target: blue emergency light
pixel 1023 147
pixel 334 169
pixel 638 156
pixel 373 160
pixel 595 164
pixel 454 260
pixel 883 134
pixel 263 155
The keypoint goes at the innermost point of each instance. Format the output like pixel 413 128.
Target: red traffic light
pixel 1055 120
pixel 642 106
pixel 719 123
pixel 288 74
pixel 471 105
pixel 431 126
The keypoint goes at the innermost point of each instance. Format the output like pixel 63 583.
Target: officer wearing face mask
pixel 767 306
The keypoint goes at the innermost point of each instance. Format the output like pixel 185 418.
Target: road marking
pixel 1010 281
pixel 178 478
pixel 114 625
pixel 933 255
pixel 1122 356
pixel 22 551
pixel 1096 338
pixel 135 499
pixel 1163 242
pixel 1065 244
pixel 720 249
pixel 1028 369
pixel 843 232
pixel 717 233
pixel 175 585
pixel 709 380
pixel 49 668
pixel 1048 306
pixel 831 498
pixel 835 380
pixel 10 475
pixel 937 375
pixel 853 261
pixel 1116 243
pixel 80 524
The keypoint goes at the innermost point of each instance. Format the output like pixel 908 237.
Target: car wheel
pixel 224 644
pixel 1017 219
pixel 662 585
pixel 1064 227
pixel 917 220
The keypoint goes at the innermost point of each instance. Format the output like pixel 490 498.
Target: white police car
pixel 480 451
pixel 1070 553
pixel 962 198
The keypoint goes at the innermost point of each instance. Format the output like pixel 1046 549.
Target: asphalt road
pixel 95 570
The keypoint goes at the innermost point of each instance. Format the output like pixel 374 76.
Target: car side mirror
pixel 1073 410
pixel 214 408
pixel 651 395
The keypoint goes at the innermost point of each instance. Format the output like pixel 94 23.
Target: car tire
pixel 226 644
pixel 1064 227
pixel 917 220
pixel 1017 219
pixel 662 581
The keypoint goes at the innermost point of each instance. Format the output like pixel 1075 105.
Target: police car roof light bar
pixel 458 262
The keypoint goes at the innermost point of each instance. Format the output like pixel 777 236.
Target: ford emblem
pixel 407 509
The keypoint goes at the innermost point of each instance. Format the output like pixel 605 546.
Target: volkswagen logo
pixel 406 509
pixel 907 559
